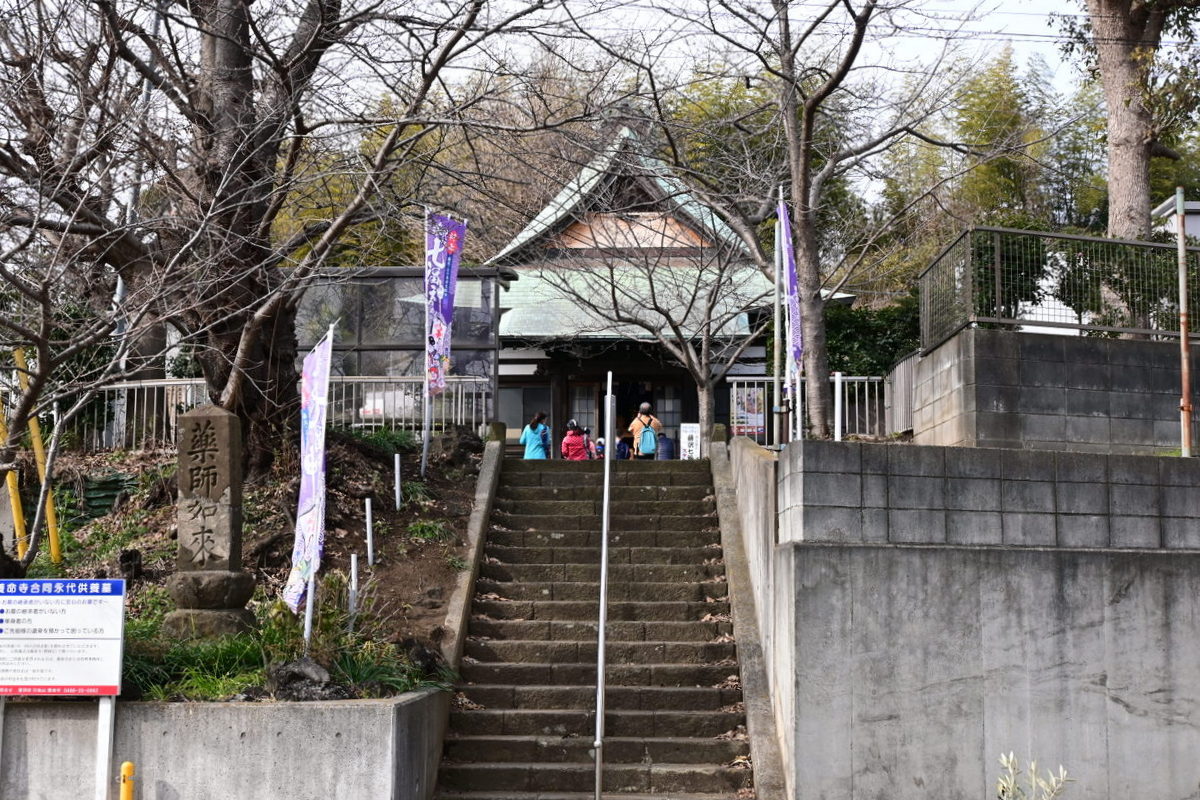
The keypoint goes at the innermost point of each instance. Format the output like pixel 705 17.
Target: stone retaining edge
pixel 458 609
pixel 769 779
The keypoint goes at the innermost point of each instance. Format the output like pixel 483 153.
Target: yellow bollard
pixel 14 500
pixel 39 455
pixel 127 781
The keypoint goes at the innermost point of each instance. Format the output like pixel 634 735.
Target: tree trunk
pixel 704 402
pixel 1120 32
pixel 818 399
pixel 268 404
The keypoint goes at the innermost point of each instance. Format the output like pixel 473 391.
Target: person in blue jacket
pixel 536 437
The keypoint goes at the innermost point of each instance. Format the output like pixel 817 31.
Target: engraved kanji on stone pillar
pixel 209 586
pixel 209 514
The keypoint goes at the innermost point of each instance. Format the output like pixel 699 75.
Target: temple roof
pixel 622 159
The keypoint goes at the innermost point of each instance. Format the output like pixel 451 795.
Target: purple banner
pixel 796 333
pixel 310 511
pixel 443 248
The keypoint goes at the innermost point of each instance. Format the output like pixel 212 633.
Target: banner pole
pixel 777 397
pixel 308 609
pixel 426 416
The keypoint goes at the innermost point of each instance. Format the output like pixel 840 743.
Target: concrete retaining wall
pixel 997 388
pixel 903 668
pixel 349 750
pixel 917 666
pixel 866 492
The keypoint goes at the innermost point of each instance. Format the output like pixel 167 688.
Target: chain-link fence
pixel 1031 280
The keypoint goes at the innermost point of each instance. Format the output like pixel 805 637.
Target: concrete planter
pixel 354 749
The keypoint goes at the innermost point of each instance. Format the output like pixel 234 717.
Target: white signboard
pixel 61 637
pixel 689 440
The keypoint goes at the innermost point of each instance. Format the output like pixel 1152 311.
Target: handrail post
pixel 602 616
pixel 837 406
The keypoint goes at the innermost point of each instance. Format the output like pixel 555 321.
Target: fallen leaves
pixel 731 682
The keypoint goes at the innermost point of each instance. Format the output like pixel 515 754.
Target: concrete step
pixel 618 698
pixel 617 573
pixel 566 722
pixel 592 538
pixel 649 471
pixel 617 522
pixel 594 508
pixel 617 750
pixel 583 610
pixel 590 795
pixel 569 479
pixel 620 494
pixel 572 630
pixel 564 674
pixel 617 592
pixel 525 651
pixel 591 555
pixel 538 777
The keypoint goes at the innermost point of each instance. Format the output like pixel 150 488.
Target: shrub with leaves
pixel 1009 787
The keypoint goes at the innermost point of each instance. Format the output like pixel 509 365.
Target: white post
pixel 308 609
pixel 837 406
pixel 1185 357
pixel 353 589
pixel 105 726
pixel 399 491
pixel 370 535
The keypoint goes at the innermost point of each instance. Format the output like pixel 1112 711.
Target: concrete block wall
pixel 1000 388
pixel 911 494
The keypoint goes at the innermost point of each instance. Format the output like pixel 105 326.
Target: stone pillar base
pixel 191 623
pixel 217 589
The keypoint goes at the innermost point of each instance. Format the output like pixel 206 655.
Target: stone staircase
pixel 523 721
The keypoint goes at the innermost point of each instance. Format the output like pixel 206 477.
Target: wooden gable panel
pixel 649 230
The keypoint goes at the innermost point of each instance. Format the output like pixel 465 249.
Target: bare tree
pixel 56 306
pixel 837 109
pixel 169 141
pixel 646 275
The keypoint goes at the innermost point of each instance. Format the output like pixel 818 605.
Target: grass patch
pixel 159 668
pixel 430 530
pixel 388 439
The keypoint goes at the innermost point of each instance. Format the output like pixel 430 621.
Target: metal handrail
pixel 602 617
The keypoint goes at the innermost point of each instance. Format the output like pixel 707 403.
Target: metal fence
pixel 1032 280
pixel 751 400
pixel 140 415
pixel 898 395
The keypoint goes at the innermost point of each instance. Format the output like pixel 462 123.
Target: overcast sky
pixel 1026 24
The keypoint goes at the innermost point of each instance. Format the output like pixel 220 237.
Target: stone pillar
pixel 209 586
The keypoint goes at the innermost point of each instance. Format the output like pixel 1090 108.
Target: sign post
pixel 64 638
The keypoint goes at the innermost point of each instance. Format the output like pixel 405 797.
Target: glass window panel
pixel 391 362
pixel 473 311
pixel 583 406
pixel 477 363
pixel 394 311
pixel 321 305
